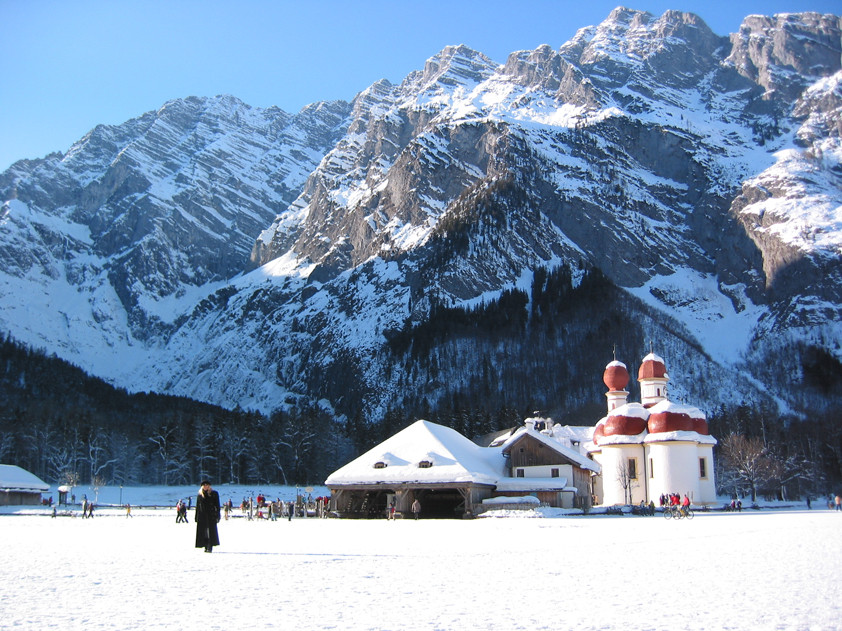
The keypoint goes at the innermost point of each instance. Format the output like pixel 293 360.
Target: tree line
pixel 62 424
pixel 761 453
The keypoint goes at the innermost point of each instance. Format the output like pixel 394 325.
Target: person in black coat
pixel 207 517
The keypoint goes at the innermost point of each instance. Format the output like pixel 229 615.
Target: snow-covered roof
pixel 526 499
pixel 621 439
pixel 13 478
pixel 695 437
pixel 577 433
pixel 533 484
pixel 567 452
pixel 678 408
pixel 631 410
pixel 452 458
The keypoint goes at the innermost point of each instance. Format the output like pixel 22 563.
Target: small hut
pixel 20 487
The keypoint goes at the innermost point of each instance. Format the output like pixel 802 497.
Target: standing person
pixel 207 517
pixel 416 508
pixel 838 500
pixel 128 511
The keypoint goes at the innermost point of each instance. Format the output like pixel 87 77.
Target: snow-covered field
pixel 766 569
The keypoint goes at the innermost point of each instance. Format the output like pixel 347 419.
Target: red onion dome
pixel 616 376
pixel 652 366
pixel 598 432
pixel 626 420
pixel 667 416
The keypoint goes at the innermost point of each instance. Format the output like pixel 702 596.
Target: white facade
pixel 618 487
pixel 675 469
pixel 660 449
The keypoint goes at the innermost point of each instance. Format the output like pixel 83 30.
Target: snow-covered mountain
pixel 250 257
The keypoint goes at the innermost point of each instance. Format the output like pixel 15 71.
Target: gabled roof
pixel 567 452
pixel 13 478
pixel 452 458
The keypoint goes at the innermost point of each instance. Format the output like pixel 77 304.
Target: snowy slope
pixel 249 257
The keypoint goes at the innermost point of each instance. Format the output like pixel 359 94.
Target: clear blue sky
pixel 69 65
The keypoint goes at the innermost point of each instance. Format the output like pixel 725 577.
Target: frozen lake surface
pixel 767 569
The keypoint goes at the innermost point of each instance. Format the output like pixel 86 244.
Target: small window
pixel 425 464
pixel 380 465
pixel 553 473
pixel 520 473
pixel 632 468
pixel 703 469
pixel 651 469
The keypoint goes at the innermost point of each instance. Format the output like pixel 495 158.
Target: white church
pixel 653 447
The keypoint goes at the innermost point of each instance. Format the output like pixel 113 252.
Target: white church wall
pixel 707 484
pixel 616 471
pixel 675 469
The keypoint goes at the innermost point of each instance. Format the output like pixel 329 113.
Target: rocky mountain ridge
pixel 250 257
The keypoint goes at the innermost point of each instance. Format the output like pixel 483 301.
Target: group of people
pixel 261 508
pixel 674 500
pixel 415 508
pixel 87 509
pixel 181 512
pixel 735 505
pixel 209 512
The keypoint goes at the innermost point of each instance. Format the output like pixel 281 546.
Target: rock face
pixel 166 202
pixel 251 257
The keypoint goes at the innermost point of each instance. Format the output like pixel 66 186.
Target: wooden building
pixel 558 475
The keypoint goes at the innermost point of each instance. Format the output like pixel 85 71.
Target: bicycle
pixel 678 512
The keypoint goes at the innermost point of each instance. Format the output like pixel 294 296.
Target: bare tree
pixel 97 482
pixel 233 445
pixel 627 481
pixel 71 479
pixel 746 462
pixel 299 437
pixel 97 459
pixel 127 458
pixel 173 460
pixel 203 446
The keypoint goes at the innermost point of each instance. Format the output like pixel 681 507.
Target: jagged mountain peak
pixel 675 49
pixel 454 67
pixel 787 52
